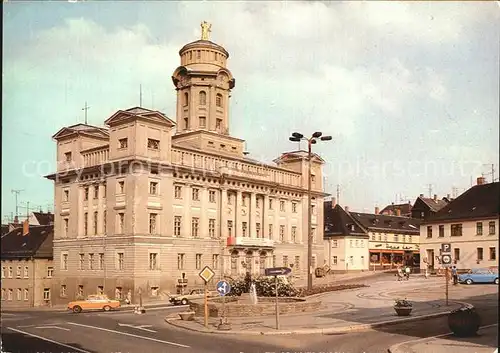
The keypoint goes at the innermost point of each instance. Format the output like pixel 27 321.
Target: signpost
pixel 446 261
pixel 223 288
pixel 277 271
pixel 206 274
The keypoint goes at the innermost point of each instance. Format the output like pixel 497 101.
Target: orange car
pixel 94 302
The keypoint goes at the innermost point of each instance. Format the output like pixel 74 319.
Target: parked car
pixel 94 302
pixel 479 275
pixel 192 295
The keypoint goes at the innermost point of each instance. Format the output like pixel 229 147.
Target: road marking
pixel 49 340
pixel 56 327
pixel 140 327
pixel 129 334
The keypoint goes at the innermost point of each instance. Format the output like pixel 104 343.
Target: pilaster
pixel 186 215
pixel 237 215
pixel 223 214
pixel 252 229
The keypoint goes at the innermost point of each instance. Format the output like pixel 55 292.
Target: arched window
pixel 186 99
pixel 203 98
pixel 218 100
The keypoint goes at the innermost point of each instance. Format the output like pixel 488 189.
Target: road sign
pixel 277 271
pixel 206 274
pixel 446 259
pixel 445 247
pixel 223 288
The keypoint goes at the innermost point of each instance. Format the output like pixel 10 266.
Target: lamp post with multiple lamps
pixel 297 137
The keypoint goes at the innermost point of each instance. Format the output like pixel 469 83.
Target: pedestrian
pixel 400 273
pixel 407 272
pixel 454 275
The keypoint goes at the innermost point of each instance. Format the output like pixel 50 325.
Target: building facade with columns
pixel 143 204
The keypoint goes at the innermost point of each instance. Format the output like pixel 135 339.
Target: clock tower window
pixel 218 100
pixel 203 98
pixel 186 99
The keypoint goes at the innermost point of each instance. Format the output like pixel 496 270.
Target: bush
pixel 303 292
pixel 264 286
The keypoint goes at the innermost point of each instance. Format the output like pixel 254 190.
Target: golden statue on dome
pixel 206 28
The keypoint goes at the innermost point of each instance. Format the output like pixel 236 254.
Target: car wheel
pixel 77 309
pixel 106 308
pixel 496 280
pixel 184 301
pixel 469 281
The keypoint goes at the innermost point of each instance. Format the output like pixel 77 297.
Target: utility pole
pixel 17 192
pixel 85 109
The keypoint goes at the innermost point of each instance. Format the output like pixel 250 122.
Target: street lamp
pixel 296 137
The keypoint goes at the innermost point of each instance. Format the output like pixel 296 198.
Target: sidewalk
pixel 485 342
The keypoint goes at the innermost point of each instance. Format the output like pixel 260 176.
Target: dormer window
pixel 67 156
pixel 153 144
pixel 123 143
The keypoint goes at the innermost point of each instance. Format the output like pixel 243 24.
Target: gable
pixel 81 129
pixel 123 116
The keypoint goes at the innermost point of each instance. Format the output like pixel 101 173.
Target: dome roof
pixel 203 44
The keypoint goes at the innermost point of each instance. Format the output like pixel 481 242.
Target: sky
pixel 409 91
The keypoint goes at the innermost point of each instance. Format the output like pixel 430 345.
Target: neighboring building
pixel 403 209
pixel 393 239
pixel 346 243
pixel 470 224
pixel 140 206
pixel 41 218
pixel 27 267
pixel 426 207
pixel 5 229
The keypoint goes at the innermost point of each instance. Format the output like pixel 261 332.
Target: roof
pixel 204 44
pixel 339 222
pixel 480 201
pixel 139 112
pixel 5 229
pixel 434 204
pixel 92 130
pixel 44 219
pixel 294 155
pixel 405 208
pixel 37 243
pixel 386 223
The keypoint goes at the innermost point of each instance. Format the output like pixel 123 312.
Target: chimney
pixel 346 208
pixel 26 227
pixel 448 196
pixel 398 212
pixel 377 210
pixel 435 197
pixel 334 202
pixel 481 180
pixel 16 220
pixel 421 195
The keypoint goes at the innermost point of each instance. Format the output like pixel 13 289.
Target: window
pixel 334 260
pixel 91 261
pixel 429 231
pixel 153 188
pixel 86 194
pixel 257 203
pixel 81 261
pixel 195 194
pixel 257 230
pixel 356 242
pixel 285 261
pixel 120 262
pixel 186 123
pixel 351 260
pixel 180 261
pixel 229 228
pixel 282 233
pixel 282 206
pixel 85 223
pixel 26 294
pixel 67 156
pixel 10 272
pixel 215 261
pixel 229 199
pixel 244 229
pixel 66 195
pixel 178 192
pixel 362 243
pixel 456 230
pixel 122 143
pixel 441 231
pixel 153 265
pixel 493 254
pixel 9 295
pixel 50 272
pixel 121 187
pixel 335 243
pixel 479 228
pixel 203 98
pixel 396 237
pixel 95 222
pixel 46 294
pixel 313 178
pixel 211 228
pixel 373 237
pixel 153 144
pixel 101 261
pixel 19 294
pixel 198 54
pixel 294 234
pixel 297 263
pixel 152 223
pixel 410 239
pixel 185 101
pixel 270 236
pixel 456 254
pixel 218 100
pixel 294 207
pixel 491 226
pixel 121 221
pixel 66 226
pixel 194 227
pixel 203 122
pixel 244 201
pixel 218 123
pixel 177 225
pixel 198 261
pixel 270 204
pixel 26 272
pixel 3 293
pixel 350 243
pixel 211 196
pixel 18 272
pixel 96 191
pixel 479 254
pixel 64 261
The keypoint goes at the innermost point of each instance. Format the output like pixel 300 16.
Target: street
pixel 124 331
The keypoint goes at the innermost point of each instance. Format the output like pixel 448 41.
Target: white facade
pixel 347 253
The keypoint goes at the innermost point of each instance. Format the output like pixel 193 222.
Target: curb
pixel 123 308
pixel 328 330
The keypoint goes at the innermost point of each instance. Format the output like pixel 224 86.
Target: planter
pixel 187 316
pixel 464 322
pixel 402 311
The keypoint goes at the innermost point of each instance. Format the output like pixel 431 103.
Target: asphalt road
pixel 123 331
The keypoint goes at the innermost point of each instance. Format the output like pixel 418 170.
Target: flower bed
pixel 303 292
